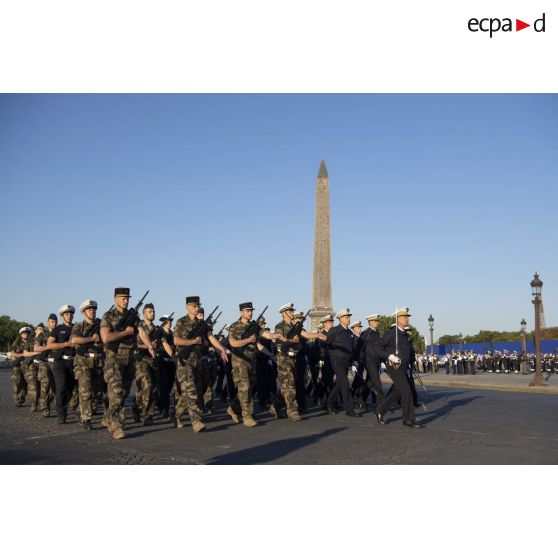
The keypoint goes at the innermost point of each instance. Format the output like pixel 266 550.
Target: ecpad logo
pixel 493 25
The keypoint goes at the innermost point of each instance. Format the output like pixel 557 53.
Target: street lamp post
pixel 431 327
pixel 536 288
pixel 460 341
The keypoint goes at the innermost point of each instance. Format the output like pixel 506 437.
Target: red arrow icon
pixel 519 25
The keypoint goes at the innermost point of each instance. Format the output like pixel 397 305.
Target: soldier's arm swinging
pixel 144 336
pixel 219 347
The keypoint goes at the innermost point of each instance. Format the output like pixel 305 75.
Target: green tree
pixel 9 330
pixel 387 321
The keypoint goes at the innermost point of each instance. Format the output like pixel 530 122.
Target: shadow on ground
pixel 271 451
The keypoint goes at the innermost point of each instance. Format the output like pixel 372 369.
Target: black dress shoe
pixel 87 425
pixel 413 424
pixel 353 414
pixel 331 410
pixel 379 417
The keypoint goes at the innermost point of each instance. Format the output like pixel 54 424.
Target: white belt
pixel 66 357
pixel 37 361
pixel 50 359
pixel 93 355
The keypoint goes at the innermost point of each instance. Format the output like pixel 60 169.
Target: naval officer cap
pixel 328 318
pixel 344 312
pixel 287 307
pixel 122 291
pixel 245 306
pixel 192 300
pixel 87 304
pixel 373 317
pixel 25 329
pixel 165 318
pixel 299 315
pixel 401 312
pixel 66 308
pixel 356 324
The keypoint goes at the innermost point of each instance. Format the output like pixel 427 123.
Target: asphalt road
pixel 464 426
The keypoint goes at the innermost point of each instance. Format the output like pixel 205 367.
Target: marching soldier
pixel 19 385
pixel 373 354
pixel 45 375
pixel 243 361
pixel 31 368
pixel 341 344
pixel 207 373
pixel 167 365
pixel 145 374
pixel 399 354
pixel 287 351
pixel 88 360
pixel 62 350
pixel 119 367
pixel 189 352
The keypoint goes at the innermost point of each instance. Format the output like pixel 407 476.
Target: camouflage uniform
pixel 88 370
pixel 146 376
pixel 118 371
pixel 243 362
pixel 187 374
pixel 19 385
pixel 45 376
pixel 286 366
pixel 31 371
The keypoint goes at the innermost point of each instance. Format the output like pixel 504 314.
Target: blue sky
pixel 443 203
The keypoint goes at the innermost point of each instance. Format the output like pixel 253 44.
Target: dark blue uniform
pixel 341 345
pixel 373 356
pixel 401 388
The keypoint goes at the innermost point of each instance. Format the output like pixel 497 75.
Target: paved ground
pixel 464 426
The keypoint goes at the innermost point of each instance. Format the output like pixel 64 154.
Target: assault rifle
pixel 296 329
pixel 130 318
pixel 213 322
pixel 94 329
pixel 200 329
pixel 253 325
pixel 159 332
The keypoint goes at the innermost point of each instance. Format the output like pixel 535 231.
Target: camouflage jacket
pixel 28 346
pixel 18 346
pixel 236 330
pixel 183 328
pixel 150 330
pixel 286 349
pixel 83 329
pixel 41 340
pixel 110 320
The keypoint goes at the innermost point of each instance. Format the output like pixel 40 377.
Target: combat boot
pixel 178 423
pixel 118 433
pixel 233 415
pixel 136 414
pixel 198 426
pixel 249 421
pixel 148 421
pixel 295 417
pixel 45 413
pixel 87 425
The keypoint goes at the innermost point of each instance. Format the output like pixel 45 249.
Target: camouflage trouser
pixel 19 385
pixel 145 385
pixel 32 379
pixel 186 375
pixel 47 388
pixel 244 377
pixel 88 373
pixel 206 380
pixel 286 374
pixel 118 374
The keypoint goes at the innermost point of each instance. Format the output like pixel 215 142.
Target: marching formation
pixel 90 366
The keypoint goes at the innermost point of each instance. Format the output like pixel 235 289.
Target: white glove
pixel 394 360
pixel 354 369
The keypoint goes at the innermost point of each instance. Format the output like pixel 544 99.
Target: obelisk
pixel 321 287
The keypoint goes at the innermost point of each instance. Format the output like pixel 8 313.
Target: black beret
pixel 245 306
pixel 53 317
pixel 192 300
pixel 149 305
pixel 122 291
pixel 201 310
pixel 40 324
